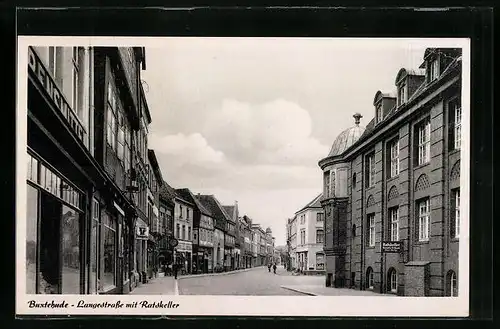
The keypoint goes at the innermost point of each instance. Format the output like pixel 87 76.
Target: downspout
pixel 382 213
pixel 362 181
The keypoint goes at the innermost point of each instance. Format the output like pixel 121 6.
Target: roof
pixel 314 203
pixel 187 194
pixel 408 71
pixel 156 167
pixel 419 91
pixel 167 192
pixel 229 210
pixel 345 139
pixel 214 206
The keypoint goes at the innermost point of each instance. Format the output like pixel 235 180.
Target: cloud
pixel 277 132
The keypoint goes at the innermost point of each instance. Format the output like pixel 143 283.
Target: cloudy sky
pixel 248 119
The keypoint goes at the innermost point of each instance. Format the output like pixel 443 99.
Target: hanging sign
pixel 142 232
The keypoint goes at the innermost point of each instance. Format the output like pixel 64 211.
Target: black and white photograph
pixel 228 175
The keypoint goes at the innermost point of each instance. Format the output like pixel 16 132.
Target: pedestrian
pixel 274 268
pixel 269 267
pixel 174 268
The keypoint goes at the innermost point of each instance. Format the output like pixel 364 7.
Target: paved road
pixel 255 282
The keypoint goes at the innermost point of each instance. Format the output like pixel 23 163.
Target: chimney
pixel 357 116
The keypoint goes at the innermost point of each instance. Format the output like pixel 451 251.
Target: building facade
pixel 246 234
pixel 292 243
pixel 183 232
pixel 203 234
pixel 155 180
pixel 84 114
pixel 309 251
pixel 392 191
pixel 235 262
pixel 167 207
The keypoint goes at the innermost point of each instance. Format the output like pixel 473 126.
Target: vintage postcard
pixel 243 176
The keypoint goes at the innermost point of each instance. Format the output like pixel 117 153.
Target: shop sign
pixel 173 242
pixel 391 246
pixel 142 232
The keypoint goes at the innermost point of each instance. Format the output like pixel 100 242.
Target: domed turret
pixel 347 138
pixel 268 230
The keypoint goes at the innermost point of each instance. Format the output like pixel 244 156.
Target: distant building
pixel 311 235
pixel 183 232
pixel 392 191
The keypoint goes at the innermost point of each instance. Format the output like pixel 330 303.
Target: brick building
pixel 395 186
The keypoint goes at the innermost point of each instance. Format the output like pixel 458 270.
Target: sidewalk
pixel 189 276
pixel 315 290
pixel 165 285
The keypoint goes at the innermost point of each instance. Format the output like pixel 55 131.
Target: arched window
pixel 451 284
pixel 392 280
pixel 369 278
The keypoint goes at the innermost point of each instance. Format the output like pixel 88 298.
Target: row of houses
pixel 391 190
pixel 210 237
pixel 100 217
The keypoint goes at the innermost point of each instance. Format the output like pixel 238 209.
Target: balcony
pixel 45 83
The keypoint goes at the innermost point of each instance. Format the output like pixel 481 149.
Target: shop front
pixel 183 257
pixel 141 239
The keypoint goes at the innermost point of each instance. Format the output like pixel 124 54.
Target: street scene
pixel 242 166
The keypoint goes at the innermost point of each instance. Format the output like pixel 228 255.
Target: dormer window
pixel 402 94
pixel 433 69
pixel 378 112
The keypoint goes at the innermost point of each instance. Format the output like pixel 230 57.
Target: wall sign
pixel 391 246
pixel 142 232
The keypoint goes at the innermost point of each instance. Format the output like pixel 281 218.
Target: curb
pixel 216 274
pixel 299 291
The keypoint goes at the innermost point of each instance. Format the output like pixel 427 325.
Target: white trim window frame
pixel 371 229
pixel 402 94
pixel 378 111
pixel 423 220
pixel 424 142
pixel 394 217
pixel 434 69
pixel 394 158
pixel 457 129
pixel 371 170
pixel 456 196
pixel 326 179
pixel 453 285
pixel 394 281
pixel 75 81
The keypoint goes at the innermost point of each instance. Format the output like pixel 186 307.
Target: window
pixel 394 223
pixel 76 77
pixel 433 72
pixel 31 239
pixel 302 236
pixel 110 249
pixel 120 140
pixel 452 286
pixel 456 213
pixel 320 261
pixel 320 236
pixel 456 111
pixel 327 184
pixel 354 180
pixel 111 123
pixel 369 278
pixel 371 230
pixel 70 247
pixel 183 232
pixel 424 142
pixel 402 94
pixel 394 150
pixel 392 280
pixel 353 230
pixel 52 60
pixel 319 217
pixel 178 231
pixel 187 213
pixel 94 251
pixel 379 113
pixel 189 233
pixel 423 220
pixel 181 211
pixel 370 170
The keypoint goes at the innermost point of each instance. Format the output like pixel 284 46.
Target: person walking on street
pixel 174 268
pixel 269 267
pixel 274 268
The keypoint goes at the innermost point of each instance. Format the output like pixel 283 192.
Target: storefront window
pixel 109 255
pixel 31 238
pixel 93 248
pixel 70 230
pixel 50 220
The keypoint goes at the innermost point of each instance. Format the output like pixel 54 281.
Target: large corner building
pixel 391 192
